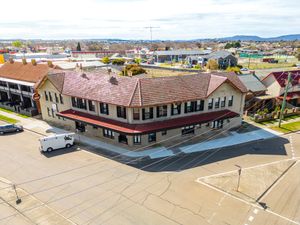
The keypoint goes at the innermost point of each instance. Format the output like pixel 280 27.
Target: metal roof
pixel 252 83
pixel 182 52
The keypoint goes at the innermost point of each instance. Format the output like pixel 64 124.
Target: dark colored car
pixel 9 128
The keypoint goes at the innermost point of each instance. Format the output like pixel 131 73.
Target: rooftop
pixel 140 92
pixel 252 83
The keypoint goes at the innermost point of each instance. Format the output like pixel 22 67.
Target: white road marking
pixel 244 201
pixel 292 146
pixel 251 218
pixel 255 211
pixel 246 168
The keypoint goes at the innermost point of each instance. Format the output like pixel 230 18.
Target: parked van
pixel 57 141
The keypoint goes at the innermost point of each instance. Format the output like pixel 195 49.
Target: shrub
pixel 118 62
pixel 235 69
pixel 134 69
pixel 106 60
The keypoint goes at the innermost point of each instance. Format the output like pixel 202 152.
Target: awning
pixel 291 95
pixel 146 127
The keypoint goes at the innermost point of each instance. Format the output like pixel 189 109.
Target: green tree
pixel 17 44
pixel 235 69
pixel 105 60
pixel 212 64
pixel 137 60
pixel 298 54
pixel 78 48
pixel 133 69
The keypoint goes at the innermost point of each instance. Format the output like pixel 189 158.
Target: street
pixel 82 187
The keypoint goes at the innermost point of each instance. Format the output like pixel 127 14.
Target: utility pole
pixel 239 177
pixel 151 30
pixel 284 98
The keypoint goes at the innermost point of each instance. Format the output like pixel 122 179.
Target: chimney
pixel 109 71
pixel 24 61
pixel 50 64
pixel 83 75
pixel 11 60
pixel 129 72
pixel 33 62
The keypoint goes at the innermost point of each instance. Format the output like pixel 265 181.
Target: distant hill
pixel 291 37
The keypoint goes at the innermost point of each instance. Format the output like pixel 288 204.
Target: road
pixel 87 188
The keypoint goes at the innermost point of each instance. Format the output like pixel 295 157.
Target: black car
pixel 9 128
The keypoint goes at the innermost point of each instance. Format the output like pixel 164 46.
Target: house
pixel 177 55
pixel 276 82
pixel 139 111
pixel 255 89
pixel 223 58
pixel 17 85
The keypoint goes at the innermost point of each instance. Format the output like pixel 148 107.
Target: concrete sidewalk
pixel 232 138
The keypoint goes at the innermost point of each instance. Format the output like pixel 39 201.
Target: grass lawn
pixel 287 127
pixel 8 119
pixel 9 111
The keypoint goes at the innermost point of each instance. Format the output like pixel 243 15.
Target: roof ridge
pixel 133 93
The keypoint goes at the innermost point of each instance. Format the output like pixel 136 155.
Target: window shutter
pixel 185 107
pixel 151 112
pixel 143 114
pixel 179 108
pixel 157 111
pixel 107 109
pixel 118 111
pixel 124 110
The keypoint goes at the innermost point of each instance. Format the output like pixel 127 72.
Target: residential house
pixel 223 58
pixel 255 89
pixel 139 111
pixel 177 55
pixel 17 85
pixel 276 82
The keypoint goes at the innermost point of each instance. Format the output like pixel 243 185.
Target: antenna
pixel 151 30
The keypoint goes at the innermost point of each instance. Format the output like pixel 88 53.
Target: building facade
pixel 17 86
pixel 142 111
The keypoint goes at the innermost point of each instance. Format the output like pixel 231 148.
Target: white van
pixel 57 141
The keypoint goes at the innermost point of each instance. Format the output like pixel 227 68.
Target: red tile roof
pixel 281 77
pixel 141 92
pixel 27 72
pixel 146 127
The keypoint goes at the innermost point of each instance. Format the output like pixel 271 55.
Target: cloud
pixel 127 19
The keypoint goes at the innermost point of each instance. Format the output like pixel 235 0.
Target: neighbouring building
pixel 17 85
pixel 224 59
pixel 142 111
pixel 177 55
pixel 256 89
pixel 276 82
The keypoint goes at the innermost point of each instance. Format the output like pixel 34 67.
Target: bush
pixel 134 69
pixel 105 60
pixel 235 69
pixel 198 67
pixel 118 62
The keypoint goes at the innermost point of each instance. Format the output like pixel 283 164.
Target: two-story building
pixel 17 85
pixel 276 82
pixel 142 111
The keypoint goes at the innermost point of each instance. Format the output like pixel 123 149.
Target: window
pixel 199 105
pixel 137 139
pixel 217 103
pixel 61 99
pixel 25 88
pixel 223 102
pixel 52 113
pixel 147 113
pixel 121 112
pixel 91 106
pixel 56 98
pixel 188 107
pixel 217 124
pixel 50 97
pixel 230 101
pixel 151 137
pixel 104 108
pixel 162 111
pixel 94 127
pixel 3 83
pixel 164 132
pixel 175 109
pixel 46 96
pixel 48 110
pixel 108 133
pixel 188 130
pixel 136 114
pixel 210 103
pixel 13 86
pixel 78 103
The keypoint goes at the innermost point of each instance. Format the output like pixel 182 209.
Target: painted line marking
pixel 248 203
pixel 255 211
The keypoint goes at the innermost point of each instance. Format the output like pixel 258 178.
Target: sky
pixel 128 19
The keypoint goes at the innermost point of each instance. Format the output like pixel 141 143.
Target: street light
pixel 239 177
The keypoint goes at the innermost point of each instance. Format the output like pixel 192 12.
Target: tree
pixel 298 54
pixel 78 48
pixel 17 44
pixel 138 60
pixel 105 60
pixel 235 69
pixel 212 64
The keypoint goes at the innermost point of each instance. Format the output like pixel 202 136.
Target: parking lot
pixel 77 186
